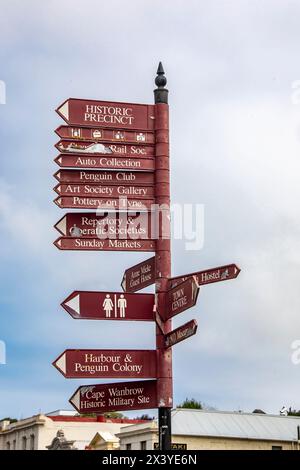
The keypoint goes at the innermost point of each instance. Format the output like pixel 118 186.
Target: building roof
pixel 191 422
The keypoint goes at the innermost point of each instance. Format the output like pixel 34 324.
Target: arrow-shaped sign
pixel 104 162
pixel 88 190
pixel 107 114
pixel 114 226
pixel 139 276
pixel 109 306
pixel 179 334
pixel 96 244
pixel 208 276
pixel 139 178
pixel 181 297
pixel 106 135
pixel 104 203
pixel 88 148
pixel 104 398
pixel 107 363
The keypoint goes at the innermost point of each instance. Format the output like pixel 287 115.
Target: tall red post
pixel 163 258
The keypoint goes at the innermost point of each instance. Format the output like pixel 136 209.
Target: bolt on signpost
pixel 115 157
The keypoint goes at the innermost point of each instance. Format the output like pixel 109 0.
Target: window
pixel 31 441
pixel 24 443
pixel 8 446
pixel 14 444
pixel 128 446
pixel 143 445
pixel 276 447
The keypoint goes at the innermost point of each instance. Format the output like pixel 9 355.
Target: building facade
pixel 60 431
pixel 215 430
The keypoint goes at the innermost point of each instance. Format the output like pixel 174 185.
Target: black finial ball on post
pixel 161 93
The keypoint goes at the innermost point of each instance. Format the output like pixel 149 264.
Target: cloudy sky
pixel 235 147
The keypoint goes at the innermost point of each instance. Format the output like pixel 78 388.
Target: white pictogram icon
pixel 76 133
pixel 108 306
pixel 118 135
pixel 225 274
pixel 140 137
pixel 122 304
pixel 118 305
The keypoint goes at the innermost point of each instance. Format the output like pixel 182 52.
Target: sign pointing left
pixel 109 306
pixel 107 114
pixel 118 363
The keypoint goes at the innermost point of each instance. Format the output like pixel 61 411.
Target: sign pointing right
pixel 208 276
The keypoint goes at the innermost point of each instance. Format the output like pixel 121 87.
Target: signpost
pixel 131 192
pixel 208 276
pixel 114 158
pixel 139 276
pixel 138 178
pixel 181 297
pixel 107 135
pixel 106 363
pixel 107 114
pixel 121 225
pixel 105 203
pixel 104 398
pixel 87 305
pixel 179 334
pixel 88 148
pixel 107 162
pixel 96 244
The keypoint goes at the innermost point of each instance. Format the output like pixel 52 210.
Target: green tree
pixel 293 412
pixel 191 403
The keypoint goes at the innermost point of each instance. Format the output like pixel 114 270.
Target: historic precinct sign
pixel 179 334
pixel 119 225
pixel 103 398
pixel 109 306
pixel 88 148
pixel 95 244
pixel 139 276
pixel 107 162
pixel 139 178
pixel 129 191
pixel 119 363
pixel 181 297
pixel 208 276
pixel 109 203
pixel 107 114
pixel 106 135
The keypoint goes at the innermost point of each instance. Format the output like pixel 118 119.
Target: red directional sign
pixel 107 363
pixel 95 244
pixel 181 297
pixel 106 135
pixel 119 225
pixel 107 114
pixel 208 276
pixel 179 334
pixel 129 191
pixel 107 162
pixel 139 178
pixel 120 203
pixel 139 276
pixel 88 305
pixel 104 398
pixel 88 148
